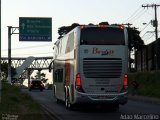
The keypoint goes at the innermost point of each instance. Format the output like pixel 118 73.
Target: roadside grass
pixel 15 102
pixel 149 83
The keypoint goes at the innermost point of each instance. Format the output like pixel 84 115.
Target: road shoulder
pixel 144 99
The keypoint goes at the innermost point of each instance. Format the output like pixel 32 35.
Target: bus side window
pixel 58 75
pixel 55 52
pixel 70 43
pixel 55 76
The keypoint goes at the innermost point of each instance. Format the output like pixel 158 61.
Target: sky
pixel 64 13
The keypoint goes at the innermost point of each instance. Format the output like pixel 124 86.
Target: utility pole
pixel 155 24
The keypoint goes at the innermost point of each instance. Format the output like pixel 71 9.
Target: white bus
pixel 90 66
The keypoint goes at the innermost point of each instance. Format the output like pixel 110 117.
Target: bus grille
pixel 102 68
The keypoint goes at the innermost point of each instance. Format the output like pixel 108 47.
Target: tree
pixel 42 77
pixel 135 42
pixel 65 29
pixel 4 69
pixel 134 39
pixel 103 23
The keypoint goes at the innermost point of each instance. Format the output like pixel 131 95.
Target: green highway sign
pixel 35 29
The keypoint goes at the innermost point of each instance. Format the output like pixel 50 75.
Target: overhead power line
pixel 155 22
pixel 132 15
pixel 138 16
pixel 150 37
pixel 145 26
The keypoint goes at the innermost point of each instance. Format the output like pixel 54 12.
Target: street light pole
pixel 11 30
pixel 9 53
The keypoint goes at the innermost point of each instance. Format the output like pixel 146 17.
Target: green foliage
pixel 4 68
pixel 15 102
pixel 42 77
pixel 134 39
pixel 148 83
pixel 103 23
pixel 65 29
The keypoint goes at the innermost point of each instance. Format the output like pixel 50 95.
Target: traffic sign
pixel 35 29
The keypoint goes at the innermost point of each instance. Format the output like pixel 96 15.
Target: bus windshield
pixel 102 36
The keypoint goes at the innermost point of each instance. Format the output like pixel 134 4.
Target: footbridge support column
pixel 28 76
pixel 39 73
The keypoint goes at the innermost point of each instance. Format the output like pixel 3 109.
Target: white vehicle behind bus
pixel 90 66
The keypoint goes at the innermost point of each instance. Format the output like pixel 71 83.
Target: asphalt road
pixel 133 110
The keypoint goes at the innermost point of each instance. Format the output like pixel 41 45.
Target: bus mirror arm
pixel 50 66
pixel 49 70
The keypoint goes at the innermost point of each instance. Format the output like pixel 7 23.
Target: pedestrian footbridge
pixel 26 66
